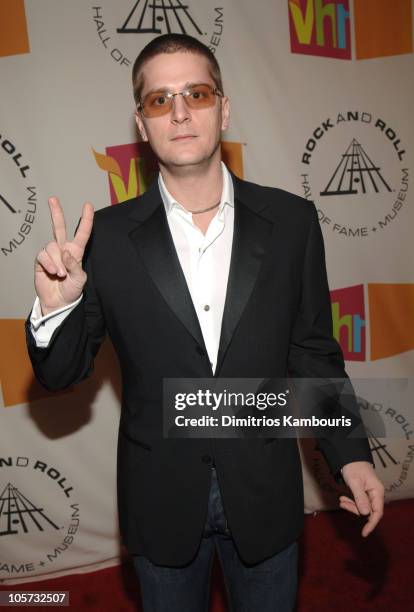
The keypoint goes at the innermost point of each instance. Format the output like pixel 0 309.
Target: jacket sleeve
pixel 69 357
pixel 314 352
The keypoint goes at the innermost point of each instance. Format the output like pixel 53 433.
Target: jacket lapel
pixel 153 241
pixel 250 239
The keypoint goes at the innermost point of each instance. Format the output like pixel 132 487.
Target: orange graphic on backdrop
pixel 107 163
pixel 16 376
pixel 391 308
pixel 14 38
pixel 17 380
pixel 233 157
pixel 383 27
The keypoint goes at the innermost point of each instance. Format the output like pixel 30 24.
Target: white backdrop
pixel 321 106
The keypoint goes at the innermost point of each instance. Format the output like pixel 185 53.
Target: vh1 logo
pixel 323 27
pixel 348 321
pixel 385 308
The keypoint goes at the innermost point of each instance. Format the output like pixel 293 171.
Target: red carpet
pixel 339 570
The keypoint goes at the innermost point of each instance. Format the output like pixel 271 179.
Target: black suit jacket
pixel 277 319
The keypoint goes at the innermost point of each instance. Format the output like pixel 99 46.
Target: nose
pixel 180 111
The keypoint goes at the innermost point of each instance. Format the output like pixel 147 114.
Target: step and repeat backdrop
pixel 321 98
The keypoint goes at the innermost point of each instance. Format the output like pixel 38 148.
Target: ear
pixel 225 113
pixel 141 126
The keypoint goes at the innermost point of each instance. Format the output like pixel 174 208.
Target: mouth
pixel 183 137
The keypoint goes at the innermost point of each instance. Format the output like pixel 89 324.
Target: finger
pixel 55 253
pixel 58 220
pixel 46 262
pixel 72 266
pixel 377 510
pixel 360 497
pixel 373 520
pixel 85 226
pixel 349 505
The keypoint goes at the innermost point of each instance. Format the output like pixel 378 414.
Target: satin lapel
pixel 250 239
pixel 155 245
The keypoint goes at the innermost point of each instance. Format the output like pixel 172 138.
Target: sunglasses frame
pixel 185 93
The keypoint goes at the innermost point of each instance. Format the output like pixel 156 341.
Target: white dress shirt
pixel 204 259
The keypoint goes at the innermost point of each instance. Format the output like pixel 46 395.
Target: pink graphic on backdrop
pixel 131 168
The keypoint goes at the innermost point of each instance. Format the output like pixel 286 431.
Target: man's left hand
pixel 368 493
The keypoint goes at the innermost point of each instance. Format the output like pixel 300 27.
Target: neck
pixel 194 187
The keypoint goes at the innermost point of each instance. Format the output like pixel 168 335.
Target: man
pixel 203 276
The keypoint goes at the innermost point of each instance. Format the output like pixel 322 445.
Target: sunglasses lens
pixel 200 96
pixel 157 104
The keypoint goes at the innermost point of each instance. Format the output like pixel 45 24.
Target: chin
pixel 188 158
pixel 185 160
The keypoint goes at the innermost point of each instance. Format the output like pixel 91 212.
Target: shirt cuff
pixel 43 326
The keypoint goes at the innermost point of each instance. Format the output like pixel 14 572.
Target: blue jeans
pixel 269 586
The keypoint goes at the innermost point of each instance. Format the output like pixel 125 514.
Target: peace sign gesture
pixel 59 277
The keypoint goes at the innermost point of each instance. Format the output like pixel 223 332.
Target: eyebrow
pixel 169 89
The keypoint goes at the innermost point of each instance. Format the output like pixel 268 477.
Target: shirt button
pixel 206 459
pixel 206 307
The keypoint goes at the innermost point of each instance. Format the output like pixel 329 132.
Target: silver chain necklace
pixel 197 212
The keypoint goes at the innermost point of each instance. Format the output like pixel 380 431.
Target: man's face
pixel 184 136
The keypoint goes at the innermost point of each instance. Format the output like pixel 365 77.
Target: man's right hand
pixel 59 277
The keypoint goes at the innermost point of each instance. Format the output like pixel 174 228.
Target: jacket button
pixel 206 459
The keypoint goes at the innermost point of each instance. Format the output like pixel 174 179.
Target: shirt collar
pixel 227 195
